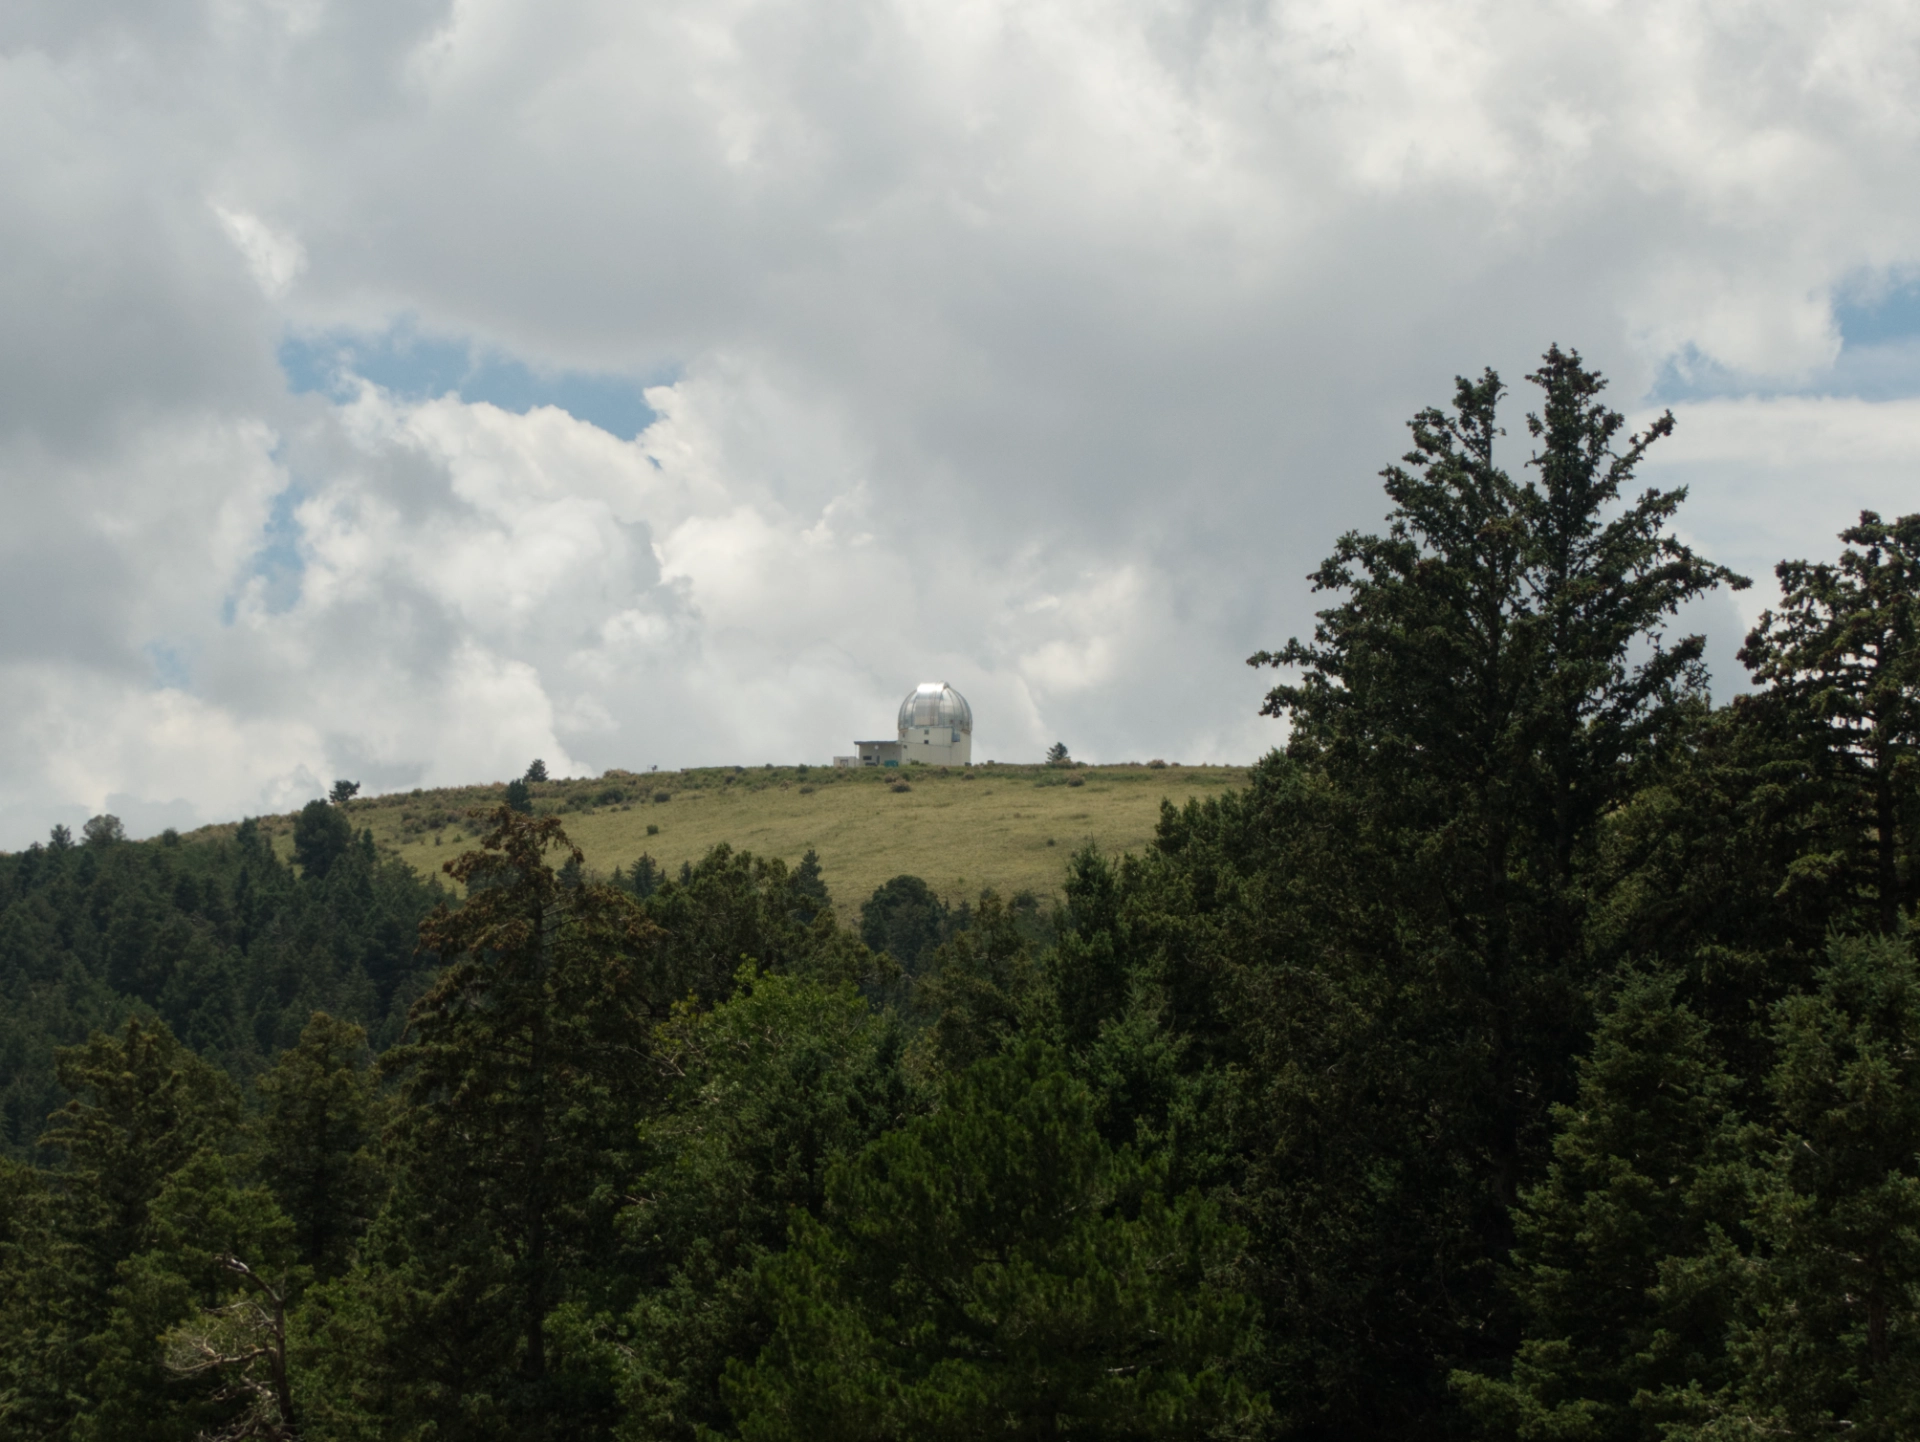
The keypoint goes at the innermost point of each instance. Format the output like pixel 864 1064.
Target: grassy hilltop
pixel 1008 827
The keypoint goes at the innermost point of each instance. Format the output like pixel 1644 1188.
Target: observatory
pixel 936 727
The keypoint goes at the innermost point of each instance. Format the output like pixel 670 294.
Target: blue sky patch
pixel 418 366
pixel 1888 318
pixel 1879 355
pixel 278 561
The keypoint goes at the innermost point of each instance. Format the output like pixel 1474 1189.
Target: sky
pixel 400 390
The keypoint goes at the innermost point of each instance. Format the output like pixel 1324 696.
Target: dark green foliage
pixel 809 889
pixel 733 907
pixel 125 1240
pixel 1830 1341
pixel 643 878
pixel 995 1269
pixel 317 1140
pixel 321 836
pixel 536 770
pixel 1628 1253
pixel 218 937
pixel 343 792
pixel 519 798
pixel 1843 657
pixel 143 1106
pixel 519 1070
pixel 905 919
pixel 1057 755
pixel 980 989
pixel 1411 973
pixel 770 1089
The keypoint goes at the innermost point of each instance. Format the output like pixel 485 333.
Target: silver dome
pixel 935 703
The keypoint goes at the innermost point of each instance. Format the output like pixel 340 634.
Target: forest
pixel 1530 1049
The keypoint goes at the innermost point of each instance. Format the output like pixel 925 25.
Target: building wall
pixel 936 746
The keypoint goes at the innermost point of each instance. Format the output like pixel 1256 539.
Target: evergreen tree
pixel 144 1199
pixel 522 1069
pixel 143 1107
pixel 980 990
pixel 770 1089
pixel 1831 1340
pixel 1628 1258
pixel 318 1138
pixel 810 888
pixel 1408 963
pixel 1843 658
pixel 995 1269
pixel 321 836
pixel 732 907
pixel 906 919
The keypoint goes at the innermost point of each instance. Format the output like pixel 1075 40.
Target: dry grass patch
pixel 1012 828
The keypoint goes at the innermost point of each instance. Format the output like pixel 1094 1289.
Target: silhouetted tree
pixel 1843 656
pixel 321 835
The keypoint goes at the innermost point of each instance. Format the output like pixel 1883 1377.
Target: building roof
pixel 935 703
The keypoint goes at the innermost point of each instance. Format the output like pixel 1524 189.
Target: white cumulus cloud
pixel 1042 348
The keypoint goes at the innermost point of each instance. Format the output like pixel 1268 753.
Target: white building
pixel 936 727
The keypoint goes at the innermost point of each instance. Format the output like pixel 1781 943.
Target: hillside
pixel 1007 827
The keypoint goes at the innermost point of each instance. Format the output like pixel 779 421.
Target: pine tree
pixel 148 1203
pixel 980 989
pixel 522 1070
pixel 318 1138
pixel 1407 957
pixel 1831 1339
pixel 321 837
pixel 995 1269
pixel 1628 1255
pixel 1843 658
pixel 906 919
pixel 809 889
pixel 770 1089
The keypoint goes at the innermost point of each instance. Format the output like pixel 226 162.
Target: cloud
pixel 274 259
pixel 1041 348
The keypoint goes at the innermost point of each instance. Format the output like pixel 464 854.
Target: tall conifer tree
pixel 518 1081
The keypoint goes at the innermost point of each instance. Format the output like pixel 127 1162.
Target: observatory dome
pixel 935 704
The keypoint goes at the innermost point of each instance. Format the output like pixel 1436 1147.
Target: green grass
pixel 1008 827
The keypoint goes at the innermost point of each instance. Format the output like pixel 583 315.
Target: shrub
pixel 663 796
pixel 901 786
pixel 653 828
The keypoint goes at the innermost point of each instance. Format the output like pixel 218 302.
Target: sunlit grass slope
pixel 1008 827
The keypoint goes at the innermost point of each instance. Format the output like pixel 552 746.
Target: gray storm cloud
pixel 1039 347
